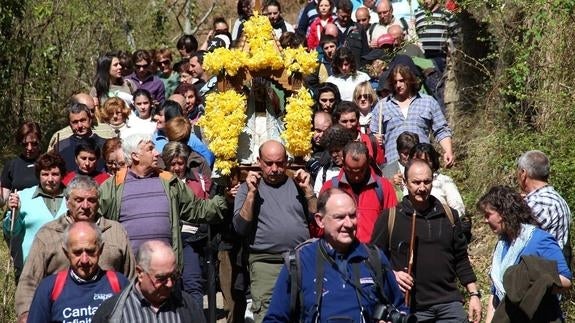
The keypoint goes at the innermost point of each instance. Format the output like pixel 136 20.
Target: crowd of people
pixel 124 214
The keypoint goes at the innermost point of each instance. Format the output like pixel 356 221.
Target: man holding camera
pixel 336 276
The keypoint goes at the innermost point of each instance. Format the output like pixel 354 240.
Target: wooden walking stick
pixel 411 256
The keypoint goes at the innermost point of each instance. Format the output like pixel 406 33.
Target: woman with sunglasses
pixel 364 96
pixel 144 77
pixel 166 73
pixel 327 97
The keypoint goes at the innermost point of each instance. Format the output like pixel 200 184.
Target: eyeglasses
pixel 141 67
pixel 164 62
pixel 365 97
pixel 327 100
pixel 163 279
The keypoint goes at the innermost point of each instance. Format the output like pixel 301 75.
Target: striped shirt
pixel 138 309
pixel 552 212
pixel 424 117
pixel 435 30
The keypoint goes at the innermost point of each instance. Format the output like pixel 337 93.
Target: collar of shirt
pixel 40 193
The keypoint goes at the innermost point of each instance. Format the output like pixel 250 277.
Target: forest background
pixel 515 79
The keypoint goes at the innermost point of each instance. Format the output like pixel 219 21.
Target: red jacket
pixel 315 31
pixel 369 205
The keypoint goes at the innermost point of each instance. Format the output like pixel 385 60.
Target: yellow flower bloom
pixel 223 121
pixel 298 134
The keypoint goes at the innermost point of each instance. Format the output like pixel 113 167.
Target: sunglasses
pixel 164 62
pixel 365 97
pixel 141 67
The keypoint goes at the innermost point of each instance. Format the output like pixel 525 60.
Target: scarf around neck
pixel 502 260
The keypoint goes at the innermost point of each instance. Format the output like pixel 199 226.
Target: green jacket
pixel 184 205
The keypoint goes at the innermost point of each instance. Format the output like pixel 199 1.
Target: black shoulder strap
pixel 374 262
pixel 371 28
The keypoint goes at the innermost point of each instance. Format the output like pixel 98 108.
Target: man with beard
pixel 273 211
pixel 440 251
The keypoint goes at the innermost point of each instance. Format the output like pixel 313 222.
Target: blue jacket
pixel 160 140
pixel 339 296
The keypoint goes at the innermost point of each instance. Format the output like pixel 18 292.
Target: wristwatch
pixel 477 293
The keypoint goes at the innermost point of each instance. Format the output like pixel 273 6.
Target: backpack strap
pixel 335 182
pixel 112 277
pixel 292 263
pixel 58 284
pixel 374 262
pixel 371 29
pixel 449 213
pixel 379 190
pixel 390 225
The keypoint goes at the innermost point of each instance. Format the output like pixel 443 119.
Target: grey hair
pixel 536 164
pixel 146 251
pixel 130 145
pixel 92 225
pixel 77 107
pixel 82 182
pixel 355 149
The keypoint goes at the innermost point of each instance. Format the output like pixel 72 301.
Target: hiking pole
pixel 411 255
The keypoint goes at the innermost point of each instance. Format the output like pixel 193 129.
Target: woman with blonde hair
pixel 365 98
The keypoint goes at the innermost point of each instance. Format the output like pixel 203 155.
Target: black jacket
pixel 440 252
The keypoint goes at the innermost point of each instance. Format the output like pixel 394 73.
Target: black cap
pixel 375 54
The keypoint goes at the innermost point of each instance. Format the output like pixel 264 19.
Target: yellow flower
pixel 223 121
pixel 300 61
pixel 298 134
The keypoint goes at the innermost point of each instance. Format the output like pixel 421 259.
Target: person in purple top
pixel 144 77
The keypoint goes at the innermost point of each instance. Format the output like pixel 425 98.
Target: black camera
pixel 391 314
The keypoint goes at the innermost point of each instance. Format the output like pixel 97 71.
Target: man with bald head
pixel 74 294
pixel 367 11
pixel 152 297
pixel 362 18
pixel 440 251
pixel 272 210
pixel 101 129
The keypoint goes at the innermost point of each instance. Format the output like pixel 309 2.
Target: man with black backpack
pixel 335 277
pixel 425 241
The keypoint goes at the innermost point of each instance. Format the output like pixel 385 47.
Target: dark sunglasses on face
pixel 164 62
pixel 143 66
pixel 365 97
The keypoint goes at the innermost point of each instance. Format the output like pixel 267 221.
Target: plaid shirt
pixel 551 211
pixel 424 116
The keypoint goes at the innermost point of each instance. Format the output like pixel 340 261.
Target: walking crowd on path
pixel 124 217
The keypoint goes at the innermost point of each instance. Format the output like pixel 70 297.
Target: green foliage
pixel 527 103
